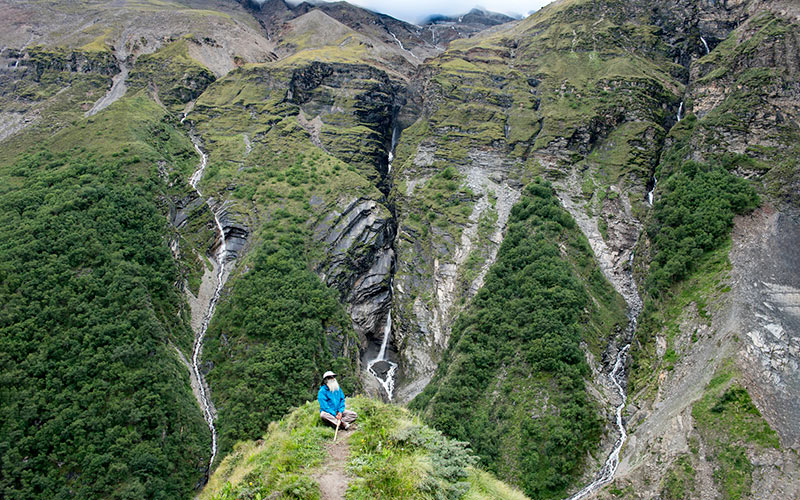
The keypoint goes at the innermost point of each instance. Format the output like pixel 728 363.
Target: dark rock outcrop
pixel 357 234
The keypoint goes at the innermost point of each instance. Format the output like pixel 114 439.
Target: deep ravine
pixel 381 367
pixel 618 379
pixel 203 396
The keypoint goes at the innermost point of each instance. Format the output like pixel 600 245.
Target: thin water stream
pixel 618 379
pixel 204 399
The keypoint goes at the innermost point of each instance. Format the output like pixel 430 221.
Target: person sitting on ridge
pixel 331 403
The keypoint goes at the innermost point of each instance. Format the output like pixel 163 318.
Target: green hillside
pixel 96 403
pixel 512 380
pixel 391 455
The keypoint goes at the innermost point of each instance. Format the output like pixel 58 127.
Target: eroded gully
pixel 617 377
pixel 220 274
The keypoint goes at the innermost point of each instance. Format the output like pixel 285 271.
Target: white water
pixel 391 150
pixel 617 377
pixel 402 47
pixel 652 193
pixel 680 111
pixel 197 350
pixel 388 382
pixel 705 44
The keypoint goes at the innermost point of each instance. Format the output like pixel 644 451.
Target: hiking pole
pixel 338 423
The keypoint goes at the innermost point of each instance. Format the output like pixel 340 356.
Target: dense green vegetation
pixel 512 380
pixel 270 340
pixel 392 455
pixel 693 215
pixel 95 403
pixel 689 232
pixel 397 459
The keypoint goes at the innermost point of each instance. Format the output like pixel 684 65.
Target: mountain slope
pixel 512 380
pixel 95 401
pixel 337 188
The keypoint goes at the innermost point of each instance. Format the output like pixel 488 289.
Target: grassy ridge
pixel 392 456
pixel 512 379
pixel 95 401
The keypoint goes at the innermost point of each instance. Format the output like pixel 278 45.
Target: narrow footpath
pixel 331 475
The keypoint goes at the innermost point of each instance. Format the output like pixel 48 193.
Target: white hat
pixel 328 374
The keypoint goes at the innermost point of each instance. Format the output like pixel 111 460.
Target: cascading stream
pixel 204 398
pixel 618 380
pixel 651 195
pixel 381 367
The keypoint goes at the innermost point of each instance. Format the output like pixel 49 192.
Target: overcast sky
pixel 417 10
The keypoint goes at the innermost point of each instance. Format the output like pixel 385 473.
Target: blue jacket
pixel 330 402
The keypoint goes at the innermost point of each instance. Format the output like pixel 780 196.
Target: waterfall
pixel 680 111
pixel 651 194
pixel 606 474
pixel 204 398
pixel 380 367
pixel 400 44
pixel 617 378
pixel 395 135
pixel 705 44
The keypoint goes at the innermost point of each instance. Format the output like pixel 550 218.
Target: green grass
pixel 277 464
pixel 729 423
pixel 177 77
pixel 679 481
pixel 392 456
